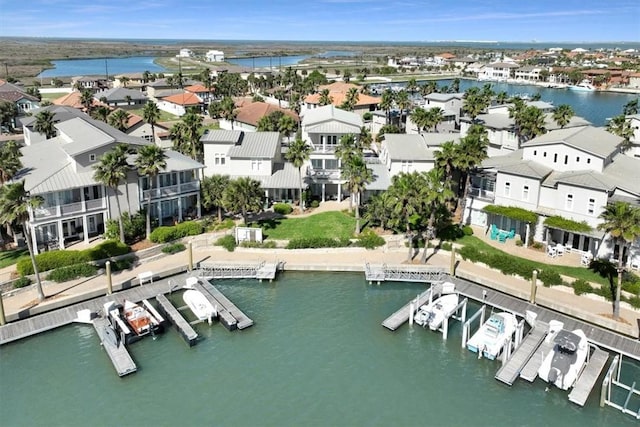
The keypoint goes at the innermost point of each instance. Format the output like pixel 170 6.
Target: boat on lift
pixel 490 339
pixel 199 305
pixel 563 365
pixel 434 313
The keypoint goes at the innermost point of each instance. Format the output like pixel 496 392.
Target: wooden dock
pixel 182 326
pixel 260 271
pixel 401 316
pixel 510 371
pixel 230 315
pixel 120 357
pixel 530 370
pixel 588 378
pixel 403 273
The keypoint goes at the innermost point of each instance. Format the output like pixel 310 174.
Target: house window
pixel 588 160
pixel 92 158
pixel 569 202
pixel 507 189
pixel 256 165
pixel 555 158
pixel 591 207
pixel 566 159
pixel 331 164
pixel 525 192
pixel 535 152
pixel 544 154
pixel 406 166
pixel 219 159
pixel 577 159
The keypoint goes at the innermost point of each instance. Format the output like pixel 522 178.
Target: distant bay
pixel 102 66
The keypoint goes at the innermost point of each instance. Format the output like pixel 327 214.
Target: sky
pixel 326 20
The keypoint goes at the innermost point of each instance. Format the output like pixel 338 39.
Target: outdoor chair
pixel 551 251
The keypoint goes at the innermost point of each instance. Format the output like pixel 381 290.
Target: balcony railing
pixel 481 193
pixel 70 208
pixel 172 190
pixel 330 174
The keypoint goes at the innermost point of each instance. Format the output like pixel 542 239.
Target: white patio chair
pixel 552 252
pixel 560 250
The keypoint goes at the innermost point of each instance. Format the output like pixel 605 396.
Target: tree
pixel 286 125
pixel 150 162
pixel 124 80
pixel 446 158
pixel 101 113
pixel 228 110
pixel 351 99
pixel 44 124
pixel 15 203
pixel 121 154
pixel 420 117
pixel 531 123
pixel 386 103
pixel 357 176
pixel 10 162
pixel 620 126
pixel 455 86
pixel 406 204
pixel 364 139
pixel 631 107
pixel 474 103
pixel 298 154
pixel 563 114
pixel 378 209
pixel 471 153
pixel 213 188
pixel 151 115
pixel 119 119
pixel 501 97
pixel 436 193
pixel 622 222
pixel 188 142
pixel 403 102
pixel 325 98
pixel 412 85
pixel 86 99
pixel 243 195
pixel 110 172
pixel 8 112
pixel 436 116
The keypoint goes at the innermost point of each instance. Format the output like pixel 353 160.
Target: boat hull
pixel 199 305
pixel 563 365
pixel 490 339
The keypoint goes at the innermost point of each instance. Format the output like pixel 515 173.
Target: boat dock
pixel 403 273
pixel 261 271
pixel 401 316
pixel 588 377
pixel 183 327
pixel 120 357
pixel 530 370
pixel 510 371
pixel 230 315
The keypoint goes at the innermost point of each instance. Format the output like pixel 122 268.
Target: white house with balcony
pixel 498 71
pixel 407 153
pixel 572 173
pixel 75 206
pixel 215 56
pixel 258 155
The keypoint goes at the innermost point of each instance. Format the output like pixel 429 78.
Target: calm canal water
pixel 317 355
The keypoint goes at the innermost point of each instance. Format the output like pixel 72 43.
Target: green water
pixel 317 355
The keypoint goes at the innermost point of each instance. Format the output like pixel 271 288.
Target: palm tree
pixel 357 176
pixel 228 110
pixel 150 162
pixel 243 195
pixel 86 99
pixel 44 124
pixel 101 113
pixel 436 117
pixel 412 85
pixel 420 117
pixel 298 154
pixel 446 158
pixel 151 115
pixel 191 132
pixel 501 97
pixel 622 222
pixel 620 126
pixel 471 153
pixel 531 123
pixel 406 203
pixel 563 114
pixel 386 103
pixel 631 107
pixel 119 119
pixel 474 103
pixel 455 86
pixel 436 193
pixel 15 203
pixel 213 188
pixel 325 98
pixel 351 99
pixel 10 162
pixel 379 209
pixel 404 103
pixel 124 80
pixel 121 153
pixel 110 172
pixel 286 125
pixel 8 113
pixel 364 139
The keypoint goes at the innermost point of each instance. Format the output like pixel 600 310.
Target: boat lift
pixel 508 348
pixel 613 378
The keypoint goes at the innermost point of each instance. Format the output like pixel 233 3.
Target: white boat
pixel 583 86
pixel 492 335
pixel 133 321
pixel 199 305
pixel 564 364
pixel 141 321
pixel 433 314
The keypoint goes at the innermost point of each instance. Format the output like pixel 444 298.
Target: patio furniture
pixel 552 252
pixel 635 265
pixel 560 249
pixel 586 258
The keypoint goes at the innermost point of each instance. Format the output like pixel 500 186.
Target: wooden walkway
pixel 530 370
pixel 229 314
pixel 403 273
pixel 510 371
pixel 260 271
pixel 182 326
pixel 588 378
pixel 401 316
pixel 120 357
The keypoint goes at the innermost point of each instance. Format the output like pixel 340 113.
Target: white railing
pixel 95 204
pixel 479 192
pixel 69 208
pixel 185 187
pixel 325 173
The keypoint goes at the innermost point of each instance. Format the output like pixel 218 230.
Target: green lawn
pixel 8 258
pixel 164 116
pixel 577 272
pixel 327 224
pixel 54 95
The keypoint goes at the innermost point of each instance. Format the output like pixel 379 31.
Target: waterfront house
pixel 258 155
pixel 406 153
pixel 185 53
pixel 338 93
pixel 215 56
pixel 249 114
pixel 164 87
pixel 498 71
pixel 179 103
pixel 572 173
pixel 206 95
pixel 130 80
pixel 75 206
pixel 121 97
pixel 92 83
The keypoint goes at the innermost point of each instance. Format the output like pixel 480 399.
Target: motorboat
pixel 562 366
pixel 490 339
pixel 583 86
pixel 132 320
pixel 199 305
pixel 434 313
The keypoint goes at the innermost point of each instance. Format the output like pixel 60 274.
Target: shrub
pixel 189 228
pixel 452 232
pixel 316 242
pixel 634 301
pixel 107 249
pixel 134 227
pixel 226 224
pixel 228 242
pixel 446 246
pixel 64 274
pixel 21 282
pixel 470 253
pixel 467 230
pixel 49 260
pixel 550 277
pixel 369 240
pixel 174 248
pixel 581 287
pixel 315 203
pixel 122 264
pixel 268 244
pixel 537 245
pixel 367 116
pixel 567 224
pixel 282 208
pixel 519 242
pixel 165 234
pixel 631 283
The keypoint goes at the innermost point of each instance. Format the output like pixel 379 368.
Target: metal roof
pixel 333 128
pixel 381 178
pixel 256 145
pixel 624 172
pixel 443 97
pixel 526 168
pixel 592 140
pixel 284 176
pixel 179 162
pixel 401 146
pixel 218 135
pixel 584 178
pixel 120 94
pixel 318 115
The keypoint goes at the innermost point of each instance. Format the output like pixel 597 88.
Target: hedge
pixel 64 274
pixel 282 208
pixel 370 240
pixel 316 242
pixel 228 242
pixel 49 260
pixel 174 248
pixel 567 224
pixel 513 212
pixel 165 234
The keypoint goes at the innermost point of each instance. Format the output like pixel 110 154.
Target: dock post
pixel 190 252
pixel 452 266
pixel 3 321
pixel 108 272
pixel 445 328
pixel 411 311
pixel 534 284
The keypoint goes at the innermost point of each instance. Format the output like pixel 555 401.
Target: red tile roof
pixel 186 98
pixel 197 89
pixel 251 113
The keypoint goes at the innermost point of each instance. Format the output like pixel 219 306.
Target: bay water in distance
pixel 317 356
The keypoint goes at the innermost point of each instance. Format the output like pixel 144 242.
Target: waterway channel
pixel 317 355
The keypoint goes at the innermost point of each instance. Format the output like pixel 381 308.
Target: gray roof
pixel 284 175
pixel 436 139
pixel 584 178
pixel 624 172
pixel 402 146
pixel 381 178
pixel 219 135
pixel 328 113
pixel 256 145
pixel 60 113
pixel 526 168
pixel 120 94
pixel 497 120
pixel 443 97
pixel 589 139
pixel 179 162
pixel 87 134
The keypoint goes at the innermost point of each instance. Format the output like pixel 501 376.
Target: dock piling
pixel 3 321
pixel 534 286
pixel 107 266
pixel 190 252
pixel 452 266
